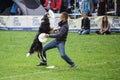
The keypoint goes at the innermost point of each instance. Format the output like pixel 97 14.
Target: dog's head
pixel 45 18
pixel 45 24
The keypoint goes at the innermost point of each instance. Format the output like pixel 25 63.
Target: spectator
pixel 105 26
pixel 85 6
pixel 95 2
pixel 91 7
pixel 71 6
pixel 64 6
pixel 5 7
pixel 15 10
pixel 78 6
pixel 101 8
pixel 85 25
pixel 55 5
pixel 81 5
pixel 46 4
pixel 110 4
pixel 75 6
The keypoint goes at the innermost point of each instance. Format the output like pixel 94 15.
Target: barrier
pixel 33 23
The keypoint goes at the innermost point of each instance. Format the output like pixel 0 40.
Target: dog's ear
pixel 42 20
pixel 46 15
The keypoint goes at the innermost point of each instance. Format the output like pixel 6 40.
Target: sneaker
pixel 73 65
pixel 42 64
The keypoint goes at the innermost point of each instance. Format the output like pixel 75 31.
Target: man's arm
pixel 62 31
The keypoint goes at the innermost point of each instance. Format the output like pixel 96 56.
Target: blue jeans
pixel 61 47
pixel 87 31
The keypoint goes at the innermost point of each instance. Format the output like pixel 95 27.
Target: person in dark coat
pixel 85 25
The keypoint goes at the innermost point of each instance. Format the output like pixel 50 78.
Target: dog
pixel 37 45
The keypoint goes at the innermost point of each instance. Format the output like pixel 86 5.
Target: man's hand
pixel 57 28
pixel 47 35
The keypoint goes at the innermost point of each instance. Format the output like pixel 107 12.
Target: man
pixel 85 25
pixel 59 42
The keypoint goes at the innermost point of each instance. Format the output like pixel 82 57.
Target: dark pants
pixel 82 32
pixel 61 47
pixel 106 32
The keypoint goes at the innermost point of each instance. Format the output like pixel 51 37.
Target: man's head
pixel 84 15
pixel 64 16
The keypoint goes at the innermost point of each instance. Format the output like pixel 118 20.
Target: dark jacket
pixel 85 24
pixel 102 8
pixel 64 6
pixel 61 35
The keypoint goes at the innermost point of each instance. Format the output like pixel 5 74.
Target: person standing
pixel 15 10
pixel 60 40
pixel 95 2
pixel 64 6
pixel 54 5
pixel 86 6
pixel 101 8
pixel 85 25
pixel 46 5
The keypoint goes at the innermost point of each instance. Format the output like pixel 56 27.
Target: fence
pixel 33 23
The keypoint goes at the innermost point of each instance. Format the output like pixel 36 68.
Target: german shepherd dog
pixel 37 45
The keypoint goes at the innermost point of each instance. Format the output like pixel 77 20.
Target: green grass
pixel 97 58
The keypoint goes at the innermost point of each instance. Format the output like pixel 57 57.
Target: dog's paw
pixel 28 54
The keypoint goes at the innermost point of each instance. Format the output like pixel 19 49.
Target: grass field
pixel 97 58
